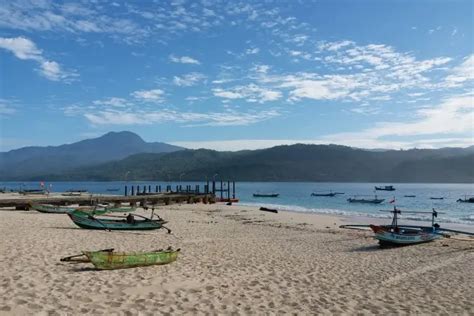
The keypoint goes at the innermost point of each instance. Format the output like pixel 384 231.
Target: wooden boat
pixel 399 235
pixel 266 209
pixel 385 188
pixel 52 209
pixel 33 192
pixel 107 259
pixel 273 195
pixel 366 201
pixel 330 194
pixel 89 221
pixel 466 200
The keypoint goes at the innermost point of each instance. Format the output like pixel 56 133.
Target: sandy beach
pixel 233 260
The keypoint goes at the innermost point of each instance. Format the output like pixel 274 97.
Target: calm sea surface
pixel 297 196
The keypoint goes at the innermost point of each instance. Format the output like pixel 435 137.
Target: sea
pixel 296 196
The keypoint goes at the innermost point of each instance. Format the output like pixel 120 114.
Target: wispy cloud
pixel 462 73
pixel 251 93
pixel 188 80
pixel 453 117
pixel 184 60
pixel 6 108
pixel 25 49
pixel 141 117
pixel 154 95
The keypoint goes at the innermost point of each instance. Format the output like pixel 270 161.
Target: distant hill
pixel 31 162
pixel 289 163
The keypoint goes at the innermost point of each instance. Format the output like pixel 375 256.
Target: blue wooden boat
pixel 401 235
pixel 129 222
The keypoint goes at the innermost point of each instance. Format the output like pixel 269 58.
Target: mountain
pixel 35 161
pixel 289 163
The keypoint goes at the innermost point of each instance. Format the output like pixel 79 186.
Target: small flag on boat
pixel 392 201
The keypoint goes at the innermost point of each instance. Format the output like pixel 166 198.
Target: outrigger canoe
pixel 52 209
pixel 108 259
pixel 401 235
pixel 89 221
pixel 104 260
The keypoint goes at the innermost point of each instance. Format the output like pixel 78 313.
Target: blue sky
pixel 234 75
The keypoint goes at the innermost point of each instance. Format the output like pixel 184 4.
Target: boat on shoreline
pixel 89 221
pixel 107 259
pixel 52 209
pixel 402 235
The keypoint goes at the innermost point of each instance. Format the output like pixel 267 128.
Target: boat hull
pixel 374 201
pixel 265 195
pixel 386 237
pixel 108 260
pixel 90 222
pixel 50 209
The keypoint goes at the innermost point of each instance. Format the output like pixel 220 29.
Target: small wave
pixel 469 220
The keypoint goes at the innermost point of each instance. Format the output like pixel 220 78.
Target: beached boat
pixel 266 195
pixel 52 209
pixel 400 235
pixel 89 221
pixel 385 188
pixel 33 192
pixel 107 259
pixel 366 201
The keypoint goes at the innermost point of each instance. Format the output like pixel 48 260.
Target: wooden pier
pixel 23 202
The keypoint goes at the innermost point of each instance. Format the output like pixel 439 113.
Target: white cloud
pixel 251 93
pixel 462 73
pixel 252 51
pixel 189 79
pixel 184 60
pixel 25 49
pixel 453 116
pixel 113 102
pixel 140 117
pixel 6 108
pixel 154 95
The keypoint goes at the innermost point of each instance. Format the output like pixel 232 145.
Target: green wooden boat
pixel 89 221
pixel 108 260
pixel 52 209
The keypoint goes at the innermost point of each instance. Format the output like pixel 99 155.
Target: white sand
pixel 234 260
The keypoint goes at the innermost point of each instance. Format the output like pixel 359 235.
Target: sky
pixel 231 75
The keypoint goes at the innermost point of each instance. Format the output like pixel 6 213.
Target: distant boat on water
pixel 385 188
pixel 466 200
pixel 331 194
pixel 375 200
pixel 436 198
pixel 409 196
pixel 272 195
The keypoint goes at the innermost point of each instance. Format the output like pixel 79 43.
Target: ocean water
pixel 296 196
